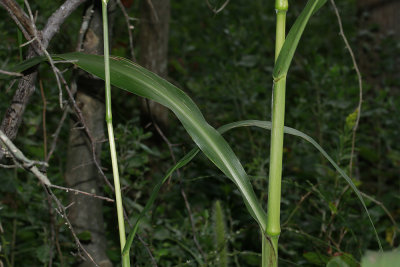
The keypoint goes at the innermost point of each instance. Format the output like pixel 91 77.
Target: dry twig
pixel 84 26
pixel 57 133
pixel 22 160
pixel 67 189
pixel 215 9
pixel 62 212
pixel 130 28
pixel 11 73
pixel 360 85
pixel 43 118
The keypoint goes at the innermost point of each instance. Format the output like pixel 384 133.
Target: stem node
pixel 281 5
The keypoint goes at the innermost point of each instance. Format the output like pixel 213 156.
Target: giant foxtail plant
pixel 131 77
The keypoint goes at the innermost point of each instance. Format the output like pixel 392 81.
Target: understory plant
pixel 131 77
pixel 220 236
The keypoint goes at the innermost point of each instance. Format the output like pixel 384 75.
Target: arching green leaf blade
pixel 247 123
pixel 136 79
pixel 268 125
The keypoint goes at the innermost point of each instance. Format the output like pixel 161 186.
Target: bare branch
pixel 11 73
pixel 44 118
pixel 153 260
pixel 57 133
pixel 28 42
pixel 130 28
pixel 21 159
pixel 84 27
pixel 13 116
pixel 29 165
pixel 76 191
pixel 57 19
pixel 19 17
pixel 153 11
pixel 8 166
pixel 43 50
pixel 383 207
pixel 215 9
pixel 62 212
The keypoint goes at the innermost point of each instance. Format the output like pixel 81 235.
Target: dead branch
pixel 19 17
pixel 22 160
pixel 62 212
pixel 84 26
pixel 155 18
pixel 57 133
pixel 11 73
pixel 57 19
pixel 130 28
pixel 67 189
pixel 13 116
pixel 216 10
pixel 18 106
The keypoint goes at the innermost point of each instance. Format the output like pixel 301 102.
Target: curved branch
pixel 57 19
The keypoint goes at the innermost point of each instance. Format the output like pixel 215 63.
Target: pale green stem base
pixel 269 252
pixel 118 196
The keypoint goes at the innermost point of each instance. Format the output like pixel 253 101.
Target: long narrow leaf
pixel 267 125
pixel 292 40
pixel 247 123
pixel 181 163
pixel 23 66
pixel 136 79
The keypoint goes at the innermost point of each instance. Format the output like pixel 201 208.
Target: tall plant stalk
pixel 114 161
pixel 273 230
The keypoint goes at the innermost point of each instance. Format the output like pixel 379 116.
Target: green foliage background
pixel 224 62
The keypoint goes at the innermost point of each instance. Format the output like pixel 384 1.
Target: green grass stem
pixel 114 161
pixel 273 230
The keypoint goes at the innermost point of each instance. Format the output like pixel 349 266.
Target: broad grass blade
pixel 136 79
pixel 267 125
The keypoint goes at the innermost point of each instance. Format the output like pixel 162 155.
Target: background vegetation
pixel 224 62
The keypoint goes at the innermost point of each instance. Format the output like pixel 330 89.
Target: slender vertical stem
pixel 114 161
pixel 273 230
pixel 275 171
